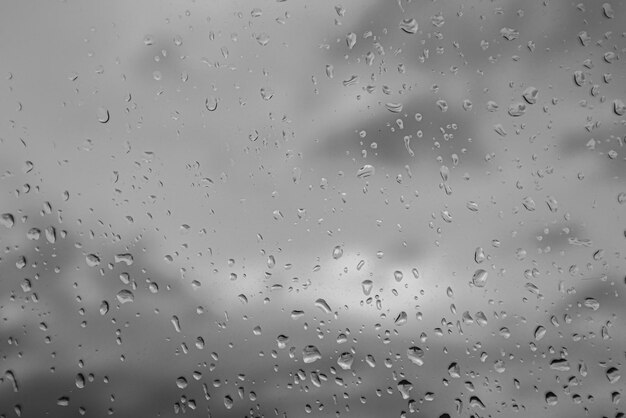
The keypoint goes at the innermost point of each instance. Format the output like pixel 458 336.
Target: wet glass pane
pixel 310 208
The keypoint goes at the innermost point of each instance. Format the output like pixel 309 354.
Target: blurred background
pixel 285 208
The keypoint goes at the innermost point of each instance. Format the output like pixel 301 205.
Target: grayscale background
pixel 310 208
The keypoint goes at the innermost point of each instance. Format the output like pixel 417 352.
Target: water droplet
pixel 619 107
pixel 613 375
pixel 607 10
pixel 282 341
pixel 540 332
pixel 176 323
pixel 263 39
pixel 397 275
pixel 401 319
pixel 228 402
pixel 92 260
pixel 394 107
pixel 404 387
pixel 7 220
pixel 181 382
pixel 211 103
pixel 63 401
pixel 409 25
pixel 367 286
pixel 454 370
pixel 103 115
pixel 366 171
pixel 530 95
pixel 51 234
pixel 125 296
pixel 415 355
pixel 337 252
pixel 517 109
pixel 479 279
pixel 560 365
pixel 79 381
pixel 592 304
pixel 551 399
pixel 621 198
pixel 104 307
pixel 323 305
pixel 351 40
pixel 345 360
pixel 124 258
pixel 310 354
pixel 10 376
pixel 579 78
pixel 509 34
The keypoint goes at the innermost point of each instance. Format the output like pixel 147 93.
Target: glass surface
pixel 310 208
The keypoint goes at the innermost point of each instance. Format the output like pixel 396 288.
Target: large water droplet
pixel 479 279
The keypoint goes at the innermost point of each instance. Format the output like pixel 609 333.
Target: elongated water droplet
pixel 323 305
pixel 366 171
pixel 176 323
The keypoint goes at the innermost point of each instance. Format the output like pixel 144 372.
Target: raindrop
pixel 176 323
pixel 345 360
pixel 517 109
pixel 404 387
pixel 619 107
pixel 7 220
pixel 415 355
pixel 92 260
pixel 310 354
pixel 367 286
pixel 351 40
pixel 323 305
pixel 607 10
pixel 409 26
pixel 551 399
pixel 401 319
pixel 394 107
pixel 181 382
pixel 613 375
pixel 579 78
pixel 540 332
pixel 103 115
pixel 125 296
pixel 530 95
pixel 211 103
pixel 479 279
pixel 366 171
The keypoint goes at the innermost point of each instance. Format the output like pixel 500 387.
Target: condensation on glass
pixel 303 208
